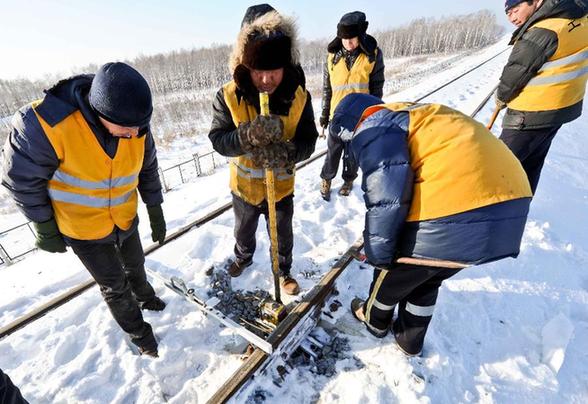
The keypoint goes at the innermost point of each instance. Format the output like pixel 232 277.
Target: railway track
pixel 303 316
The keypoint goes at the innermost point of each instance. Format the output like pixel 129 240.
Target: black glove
pixel 324 121
pixel 157 222
pixel 275 155
pixel 499 103
pixel 48 237
pixel 260 132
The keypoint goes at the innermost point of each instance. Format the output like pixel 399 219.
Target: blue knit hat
pixel 508 4
pixel 121 95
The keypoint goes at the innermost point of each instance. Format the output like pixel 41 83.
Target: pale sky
pixel 57 36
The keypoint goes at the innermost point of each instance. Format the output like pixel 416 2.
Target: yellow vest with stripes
pixel 344 81
pixel 248 180
pixel 91 192
pixel 458 164
pixel 561 81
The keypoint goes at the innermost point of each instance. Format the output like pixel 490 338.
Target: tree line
pixel 185 78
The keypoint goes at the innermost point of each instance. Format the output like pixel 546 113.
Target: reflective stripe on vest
pixel 344 81
pixel 454 160
pixel 259 173
pixel 90 192
pixel 561 81
pixel 90 201
pixel 247 179
pixel 354 88
pixel 106 184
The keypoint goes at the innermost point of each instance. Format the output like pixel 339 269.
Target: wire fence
pixel 20 240
pixel 197 166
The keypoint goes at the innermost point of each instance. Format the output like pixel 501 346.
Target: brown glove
pixel 260 132
pixel 274 155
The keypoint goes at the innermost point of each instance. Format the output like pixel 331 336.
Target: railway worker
pixel 265 58
pixel 73 163
pixel 354 64
pixel 544 81
pixel 436 202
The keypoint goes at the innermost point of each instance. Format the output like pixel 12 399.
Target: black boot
pixel 149 352
pixel 358 312
pixel 155 304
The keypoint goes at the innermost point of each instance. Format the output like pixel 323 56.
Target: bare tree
pixel 184 81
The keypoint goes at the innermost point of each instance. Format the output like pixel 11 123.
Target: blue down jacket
pixel 381 148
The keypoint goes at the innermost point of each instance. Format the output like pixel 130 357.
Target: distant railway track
pixel 313 298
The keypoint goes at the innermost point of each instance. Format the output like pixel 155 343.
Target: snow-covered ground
pixel 511 331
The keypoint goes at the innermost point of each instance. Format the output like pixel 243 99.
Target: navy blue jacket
pixel 381 148
pixel 29 160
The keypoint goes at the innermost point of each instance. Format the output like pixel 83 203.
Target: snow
pixel 556 335
pixel 510 331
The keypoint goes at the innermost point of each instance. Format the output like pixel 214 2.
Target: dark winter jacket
pixel 29 160
pixel 9 393
pixel 382 149
pixel 223 133
pixel 532 48
pixel 367 45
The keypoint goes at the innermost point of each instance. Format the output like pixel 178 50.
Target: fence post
pixel 181 175
pixel 4 256
pixel 31 229
pixel 165 187
pixel 197 164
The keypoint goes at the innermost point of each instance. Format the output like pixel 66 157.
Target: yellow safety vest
pixel 561 81
pixel 458 164
pixel 344 81
pixel 91 192
pixel 247 179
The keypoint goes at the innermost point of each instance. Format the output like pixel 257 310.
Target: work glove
pixel 499 103
pixel 324 121
pixel 260 132
pixel 157 222
pixel 48 237
pixel 275 155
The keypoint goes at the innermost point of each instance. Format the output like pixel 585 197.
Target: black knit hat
pixel 352 25
pixel 121 95
pixel 265 51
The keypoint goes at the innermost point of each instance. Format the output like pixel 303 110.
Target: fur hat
pixel 267 51
pixel 121 95
pixel 266 41
pixel 352 25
